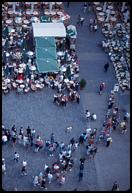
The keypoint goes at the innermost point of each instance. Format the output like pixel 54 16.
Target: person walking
pixel 16 157
pixel 50 176
pixel 78 19
pixel 106 66
pixel 52 137
pixel 95 27
pixel 124 130
pixel 14 139
pixel 3 166
pixel 80 175
pixel 20 135
pixel 108 141
pixel 43 183
pixel 35 181
pixel 40 176
pixel 81 21
pixel 14 128
pixel 81 139
pixel 88 115
pixel 23 170
pixel 91 24
pixel 82 160
pixel 28 132
pixel 33 133
pixel 4 139
pixel 8 134
pixel 81 166
pixel 62 180
pixel 72 141
pixel 77 98
pixel 101 87
pixel 110 105
pixel 85 6
pixel 76 144
pixel 115 186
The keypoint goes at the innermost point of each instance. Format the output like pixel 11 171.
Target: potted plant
pixel 82 83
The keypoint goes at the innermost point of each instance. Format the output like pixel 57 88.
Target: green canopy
pixel 45 42
pixel 46 57
pixel 70 32
pixel 47 65
pixel 45 19
pixel 47 52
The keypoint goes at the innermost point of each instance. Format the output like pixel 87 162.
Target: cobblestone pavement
pixel 38 111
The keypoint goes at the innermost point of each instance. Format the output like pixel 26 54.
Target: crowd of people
pixel 113 120
pixel 63 152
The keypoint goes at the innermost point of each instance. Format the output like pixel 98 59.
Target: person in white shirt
pixel 3 166
pixel 16 156
pixel 50 176
pixel 4 139
pixel 87 113
pixel 94 116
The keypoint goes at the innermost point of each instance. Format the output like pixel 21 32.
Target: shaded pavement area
pixel 38 111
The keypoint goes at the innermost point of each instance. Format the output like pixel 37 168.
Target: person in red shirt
pixel 20 77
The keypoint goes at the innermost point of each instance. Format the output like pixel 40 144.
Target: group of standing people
pixel 64 153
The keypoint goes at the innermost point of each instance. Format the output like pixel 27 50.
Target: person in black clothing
pixel 14 138
pixel 81 166
pixel 106 66
pixel 72 141
pixel 52 138
pixel 81 21
pixel 8 134
pixel 43 183
pixel 80 175
pixel 78 98
pixel 28 132
pixel 47 170
pixel 82 160
pixel 67 43
pixel 78 19
pixel 115 186
pixel 14 128
pixel 81 139
pixel 31 141
pixel 110 104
